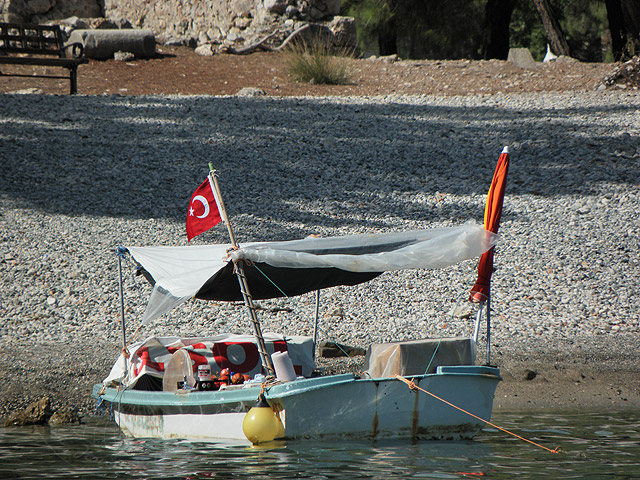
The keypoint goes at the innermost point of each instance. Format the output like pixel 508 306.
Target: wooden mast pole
pixel 120 252
pixel 242 278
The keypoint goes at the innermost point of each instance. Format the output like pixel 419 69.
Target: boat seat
pixel 417 357
pixel 176 370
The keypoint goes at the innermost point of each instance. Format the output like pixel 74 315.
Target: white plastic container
pixel 283 366
pixel 204 373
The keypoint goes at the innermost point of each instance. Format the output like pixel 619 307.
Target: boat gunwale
pixel 274 392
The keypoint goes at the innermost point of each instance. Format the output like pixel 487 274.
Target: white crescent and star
pixel 205 204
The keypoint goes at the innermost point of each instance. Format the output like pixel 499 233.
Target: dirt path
pixel 178 70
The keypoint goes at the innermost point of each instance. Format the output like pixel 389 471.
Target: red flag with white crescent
pixel 203 210
pixel 493 210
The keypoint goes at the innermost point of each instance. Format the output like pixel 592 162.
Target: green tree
pixel 586 25
pixel 615 17
pixel 452 29
pixel 419 28
pixel 497 18
pixel 526 30
pixel 555 33
pixel 624 25
pixel 583 23
pixel 375 24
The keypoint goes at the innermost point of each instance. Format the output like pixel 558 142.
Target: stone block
pixel 521 57
pixel 344 30
pixel 275 6
pixel 102 44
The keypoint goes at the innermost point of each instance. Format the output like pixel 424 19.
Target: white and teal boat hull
pixel 321 407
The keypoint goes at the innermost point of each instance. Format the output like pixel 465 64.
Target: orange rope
pixel 413 386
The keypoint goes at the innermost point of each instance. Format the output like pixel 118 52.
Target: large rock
pixel 344 31
pixel 33 7
pixel 65 416
pixel 22 10
pixel 521 57
pixel 38 413
pixel 323 8
pixel 41 11
pixel 101 44
pixel 78 8
pixel 275 6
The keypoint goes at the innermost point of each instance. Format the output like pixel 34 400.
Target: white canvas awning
pixel 299 266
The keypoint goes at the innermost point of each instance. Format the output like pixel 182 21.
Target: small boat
pixel 260 387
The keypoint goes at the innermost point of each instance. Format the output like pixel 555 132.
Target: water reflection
pixel 594 446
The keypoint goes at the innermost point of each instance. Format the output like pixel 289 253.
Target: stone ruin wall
pixel 43 11
pixel 189 22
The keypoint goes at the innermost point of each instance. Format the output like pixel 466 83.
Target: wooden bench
pixel 23 44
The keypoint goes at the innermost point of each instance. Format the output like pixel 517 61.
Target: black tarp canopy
pixel 276 269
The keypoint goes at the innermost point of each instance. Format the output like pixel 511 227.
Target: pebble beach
pixel 82 175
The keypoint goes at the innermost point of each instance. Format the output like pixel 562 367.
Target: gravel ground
pixel 82 175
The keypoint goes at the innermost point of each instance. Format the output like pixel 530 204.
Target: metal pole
pixel 242 278
pixel 315 328
pixel 120 253
pixel 476 326
pixel 488 330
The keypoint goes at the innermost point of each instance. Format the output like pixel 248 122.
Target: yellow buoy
pixel 280 433
pixel 260 424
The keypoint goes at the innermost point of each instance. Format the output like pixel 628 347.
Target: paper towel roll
pixel 283 366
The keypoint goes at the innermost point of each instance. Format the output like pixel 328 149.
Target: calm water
pixel 595 445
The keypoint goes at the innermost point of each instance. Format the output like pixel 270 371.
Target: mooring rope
pixel 411 384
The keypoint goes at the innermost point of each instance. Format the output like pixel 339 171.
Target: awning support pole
pixel 488 330
pixel 242 278
pixel 120 251
pixel 476 326
pixel 315 328
pixel 484 305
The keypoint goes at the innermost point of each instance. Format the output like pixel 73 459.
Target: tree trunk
pixel 631 13
pixel 497 16
pixel 388 39
pixel 616 27
pixel 387 33
pixel 558 43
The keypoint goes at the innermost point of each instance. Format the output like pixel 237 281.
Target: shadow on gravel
pixel 301 161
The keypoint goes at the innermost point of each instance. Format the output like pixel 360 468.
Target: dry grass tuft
pixel 317 62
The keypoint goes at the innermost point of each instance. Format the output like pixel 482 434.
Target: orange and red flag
pixel 481 290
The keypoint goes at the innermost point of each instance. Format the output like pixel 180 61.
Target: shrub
pixel 317 62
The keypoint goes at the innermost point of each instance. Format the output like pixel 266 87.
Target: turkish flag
pixel 203 210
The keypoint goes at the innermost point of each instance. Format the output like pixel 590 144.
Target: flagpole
pixel 242 278
pixel 215 188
